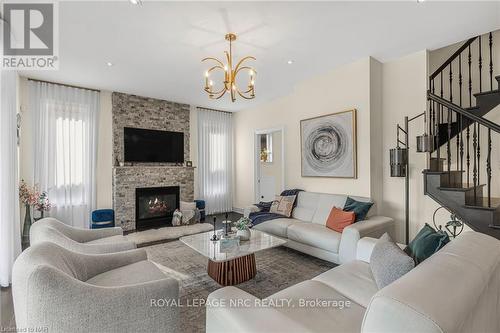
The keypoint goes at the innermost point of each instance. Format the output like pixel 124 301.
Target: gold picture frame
pixel 330 149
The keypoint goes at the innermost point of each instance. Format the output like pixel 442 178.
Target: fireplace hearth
pixel 155 206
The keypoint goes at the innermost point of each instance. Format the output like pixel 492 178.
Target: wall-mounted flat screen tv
pixel 144 145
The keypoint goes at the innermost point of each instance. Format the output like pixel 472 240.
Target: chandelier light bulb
pixel 206 74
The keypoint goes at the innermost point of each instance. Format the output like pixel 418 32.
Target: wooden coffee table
pixel 232 266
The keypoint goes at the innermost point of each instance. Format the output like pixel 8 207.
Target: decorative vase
pixel 244 234
pixel 26 228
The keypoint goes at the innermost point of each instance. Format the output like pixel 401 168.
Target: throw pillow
pixel 339 219
pixel 388 262
pixel 275 205
pixel 427 242
pixel 358 207
pixel 285 206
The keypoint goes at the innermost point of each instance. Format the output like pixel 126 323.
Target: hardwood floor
pixel 7 321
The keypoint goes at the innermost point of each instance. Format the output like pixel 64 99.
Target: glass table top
pixel 222 250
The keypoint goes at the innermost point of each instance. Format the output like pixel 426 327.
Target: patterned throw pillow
pixel 286 205
pixel 388 262
pixel 275 205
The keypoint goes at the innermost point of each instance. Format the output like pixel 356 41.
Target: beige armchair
pixel 95 241
pixel 63 291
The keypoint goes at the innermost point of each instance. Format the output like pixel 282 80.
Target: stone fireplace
pixel 132 178
pixel 155 206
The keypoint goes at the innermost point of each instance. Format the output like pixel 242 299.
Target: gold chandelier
pixel 230 74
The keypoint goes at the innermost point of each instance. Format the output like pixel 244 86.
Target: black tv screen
pixel 143 145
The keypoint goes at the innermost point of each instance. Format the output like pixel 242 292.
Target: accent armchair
pixel 90 241
pixel 66 291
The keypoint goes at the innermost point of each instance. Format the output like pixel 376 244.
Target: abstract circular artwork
pixel 329 145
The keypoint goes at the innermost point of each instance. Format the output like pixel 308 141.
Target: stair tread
pixel 459 189
pixel 495 91
pixel 471 109
pixel 482 203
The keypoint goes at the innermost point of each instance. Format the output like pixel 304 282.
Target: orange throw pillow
pixel 338 219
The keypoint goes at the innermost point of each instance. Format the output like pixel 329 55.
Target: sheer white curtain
pixel 65 139
pixel 215 159
pixel 10 227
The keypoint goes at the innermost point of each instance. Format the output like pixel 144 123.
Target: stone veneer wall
pixel 147 113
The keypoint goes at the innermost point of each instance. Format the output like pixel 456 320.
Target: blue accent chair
pixel 103 218
pixel 200 204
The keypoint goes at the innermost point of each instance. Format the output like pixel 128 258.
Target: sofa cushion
pixel 139 272
pixel 106 240
pixel 315 235
pixel 354 280
pixel 306 206
pixel 325 204
pixel 322 318
pixel 277 227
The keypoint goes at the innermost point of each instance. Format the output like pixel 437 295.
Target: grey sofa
pixel 63 291
pixel 95 241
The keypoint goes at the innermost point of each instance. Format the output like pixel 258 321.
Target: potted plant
pixel 243 228
pixel 43 204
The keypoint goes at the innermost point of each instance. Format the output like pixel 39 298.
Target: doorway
pixel 269 164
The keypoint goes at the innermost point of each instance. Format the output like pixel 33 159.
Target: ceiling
pixel 156 48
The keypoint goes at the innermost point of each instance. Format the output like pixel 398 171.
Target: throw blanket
pixel 263 215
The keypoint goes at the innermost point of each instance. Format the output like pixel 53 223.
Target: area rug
pixel 142 238
pixel 277 269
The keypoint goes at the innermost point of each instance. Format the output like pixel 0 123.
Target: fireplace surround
pixel 155 206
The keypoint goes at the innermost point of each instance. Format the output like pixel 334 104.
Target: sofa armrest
pixel 231 309
pixel 375 227
pixel 250 209
pixel 87 235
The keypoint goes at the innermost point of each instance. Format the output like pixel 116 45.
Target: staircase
pixel 461 93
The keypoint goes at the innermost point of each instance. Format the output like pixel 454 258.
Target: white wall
pixel 404 87
pixel 344 88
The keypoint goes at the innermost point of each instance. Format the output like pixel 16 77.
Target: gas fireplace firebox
pixel 155 206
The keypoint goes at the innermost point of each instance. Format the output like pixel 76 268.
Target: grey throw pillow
pixel 388 262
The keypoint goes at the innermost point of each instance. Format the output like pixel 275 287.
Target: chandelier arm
pixel 223 93
pixel 242 60
pixel 214 59
pixel 243 68
pixel 216 92
pixel 243 96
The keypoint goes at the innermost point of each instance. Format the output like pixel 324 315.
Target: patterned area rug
pixel 277 269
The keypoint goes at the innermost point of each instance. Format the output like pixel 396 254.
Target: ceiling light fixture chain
pixel 230 75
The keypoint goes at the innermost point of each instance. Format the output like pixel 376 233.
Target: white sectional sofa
pixel 455 290
pixel 306 231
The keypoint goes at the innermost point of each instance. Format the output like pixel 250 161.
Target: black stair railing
pixel 458 128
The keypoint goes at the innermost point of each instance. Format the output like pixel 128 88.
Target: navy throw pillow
pixel 358 207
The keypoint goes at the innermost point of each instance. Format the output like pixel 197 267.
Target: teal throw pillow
pixel 427 242
pixel 359 208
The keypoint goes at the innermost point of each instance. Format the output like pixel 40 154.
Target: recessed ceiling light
pixel 109 64
pixel 289 62
pixel 136 2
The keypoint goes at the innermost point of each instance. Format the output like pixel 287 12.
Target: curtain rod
pixel 200 107
pixel 63 84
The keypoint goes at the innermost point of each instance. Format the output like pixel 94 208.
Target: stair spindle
pixel 467 136
pixel 470 79
pixel 474 168
pixel 491 60
pixel 478 152
pixel 461 135
pixel 480 67
pixel 488 167
pixel 448 147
